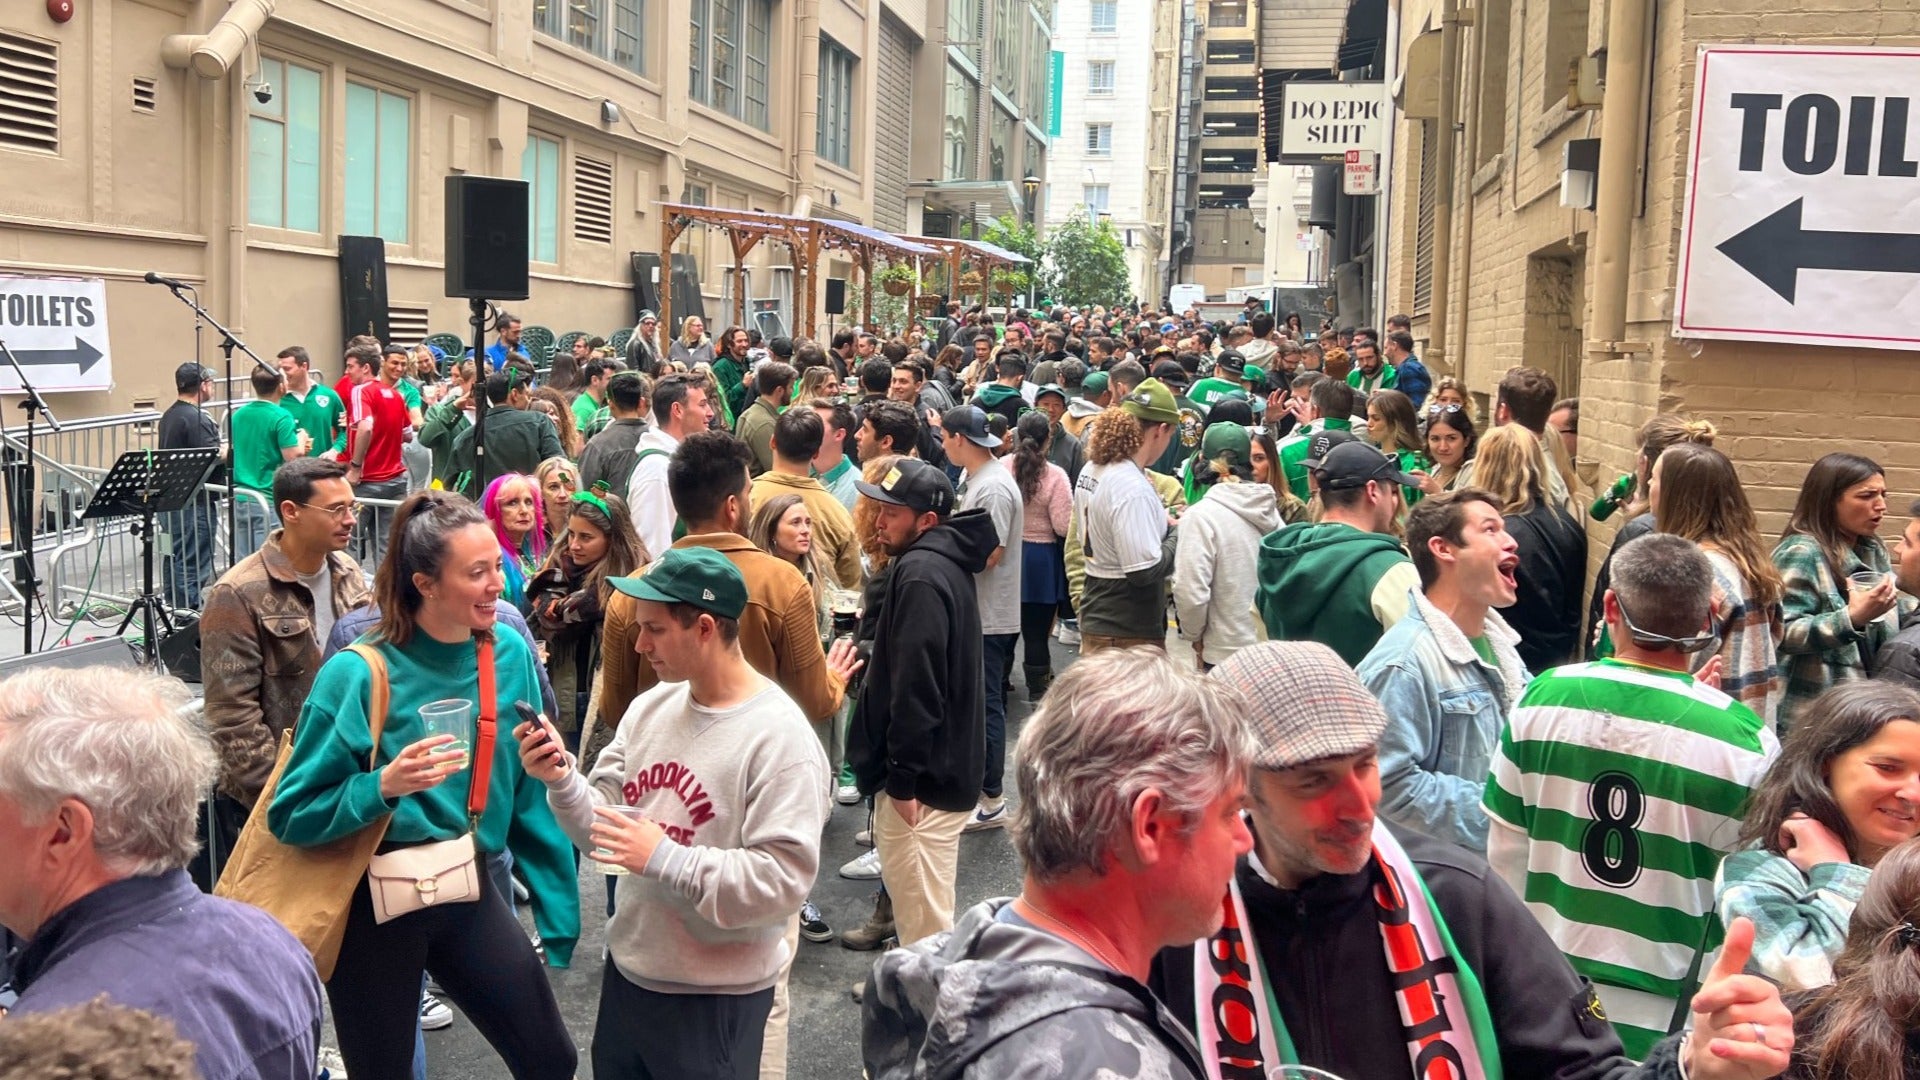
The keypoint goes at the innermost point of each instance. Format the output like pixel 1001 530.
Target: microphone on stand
pixel 155 279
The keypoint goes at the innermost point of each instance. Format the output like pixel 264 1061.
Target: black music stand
pixel 141 484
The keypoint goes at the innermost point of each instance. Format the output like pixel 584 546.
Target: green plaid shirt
pixel 1821 647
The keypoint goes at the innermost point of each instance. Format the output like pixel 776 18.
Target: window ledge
pixel 1552 121
pixel 1487 174
pixel 841 171
pixel 574 54
pixel 728 121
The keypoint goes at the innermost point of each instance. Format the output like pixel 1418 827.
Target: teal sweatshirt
pixel 327 791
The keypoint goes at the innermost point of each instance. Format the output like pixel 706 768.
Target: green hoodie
pixel 1293 452
pixel 1332 583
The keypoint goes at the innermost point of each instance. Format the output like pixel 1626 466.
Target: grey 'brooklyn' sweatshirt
pixel 742 795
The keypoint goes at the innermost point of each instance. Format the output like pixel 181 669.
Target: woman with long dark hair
pixel 568 599
pixel 436 591
pixel 1553 548
pixel 1043 570
pixel 1394 427
pixel 512 504
pixel 783 528
pixel 1696 494
pixel 1867 1022
pixel 1451 443
pixel 1840 603
pixel 1844 791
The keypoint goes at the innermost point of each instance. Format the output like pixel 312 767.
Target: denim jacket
pixel 1445 707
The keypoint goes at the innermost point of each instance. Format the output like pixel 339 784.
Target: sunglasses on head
pixel 1442 407
pixel 1650 640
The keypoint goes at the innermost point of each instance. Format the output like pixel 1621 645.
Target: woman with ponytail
pixel 514 508
pixel 435 645
pixel 568 602
pixel 1866 1025
pixel 1043 569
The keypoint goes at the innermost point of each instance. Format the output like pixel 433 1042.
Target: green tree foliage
pixel 1086 264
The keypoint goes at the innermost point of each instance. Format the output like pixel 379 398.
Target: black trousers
pixel 641 1034
pixel 1036 624
pixel 481 958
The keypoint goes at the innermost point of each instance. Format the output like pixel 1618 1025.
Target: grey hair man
pixel 102 772
pixel 1376 953
pixel 1133 769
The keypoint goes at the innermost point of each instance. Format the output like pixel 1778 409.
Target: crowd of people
pixel 1343 774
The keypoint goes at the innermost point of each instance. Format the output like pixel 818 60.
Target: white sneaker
pixel 864 868
pixel 1067 633
pixel 331 1066
pixel 987 816
pixel 864 838
pixel 846 795
pixel 434 1014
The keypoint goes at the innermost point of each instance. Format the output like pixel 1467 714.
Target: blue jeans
pixel 251 524
pixel 996 659
pixel 188 568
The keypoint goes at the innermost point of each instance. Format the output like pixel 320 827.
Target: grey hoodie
pixel 991 999
pixel 1216 567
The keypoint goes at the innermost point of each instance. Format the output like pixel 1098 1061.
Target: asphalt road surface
pixel 823 1040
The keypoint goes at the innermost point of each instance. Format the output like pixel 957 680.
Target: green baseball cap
pixel 698 576
pixel 1094 384
pixel 1227 440
pixel 1153 402
pixel 1253 373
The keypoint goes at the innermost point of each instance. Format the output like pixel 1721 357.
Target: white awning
pixel 995 197
pixel 1301 35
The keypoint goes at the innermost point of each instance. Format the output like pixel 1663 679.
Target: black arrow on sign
pixel 83 353
pixel 1775 249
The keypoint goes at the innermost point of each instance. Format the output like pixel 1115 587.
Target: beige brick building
pixel 232 146
pixel 1526 274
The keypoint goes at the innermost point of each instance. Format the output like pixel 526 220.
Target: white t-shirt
pixel 993 489
pixel 1121 518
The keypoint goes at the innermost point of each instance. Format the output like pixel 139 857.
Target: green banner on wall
pixel 1056 86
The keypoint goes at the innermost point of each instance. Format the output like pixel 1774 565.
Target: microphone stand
pixel 34 405
pixel 228 343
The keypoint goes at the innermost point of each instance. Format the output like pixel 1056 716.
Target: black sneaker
pixel 812 926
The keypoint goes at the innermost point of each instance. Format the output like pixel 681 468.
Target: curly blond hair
pixel 866 511
pixel 1112 436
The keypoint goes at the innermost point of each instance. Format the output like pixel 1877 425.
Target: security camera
pixel 263 93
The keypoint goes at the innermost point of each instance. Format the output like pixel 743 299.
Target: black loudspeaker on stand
pixel 836 296
pixel 363 287
pixel 487 259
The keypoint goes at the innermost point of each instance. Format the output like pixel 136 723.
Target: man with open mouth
pixel 1448 674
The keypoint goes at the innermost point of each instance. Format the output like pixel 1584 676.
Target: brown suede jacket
pixel 259 656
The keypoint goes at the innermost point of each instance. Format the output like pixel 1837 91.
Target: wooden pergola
pixel 980 255
pixel 805 239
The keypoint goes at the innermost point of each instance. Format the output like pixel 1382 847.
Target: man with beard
pixel 1345 946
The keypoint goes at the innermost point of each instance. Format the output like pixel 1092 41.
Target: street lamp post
pixel 1031 185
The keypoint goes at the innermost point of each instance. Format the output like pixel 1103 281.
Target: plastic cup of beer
pixel 600 855
pixel 1866 580
pixel 450 716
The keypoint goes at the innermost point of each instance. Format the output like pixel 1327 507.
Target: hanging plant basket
pixel 970 280
pixel 929 303
pixel 896 287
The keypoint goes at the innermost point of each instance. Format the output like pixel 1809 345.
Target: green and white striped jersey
pixel 1615 791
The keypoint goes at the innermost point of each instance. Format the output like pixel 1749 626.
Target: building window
pixel 283 149
pixel 540 168
pixel 1230 161
pixel 1100 78
pixel 1094 198
pixel 1227 13
pixel 1495 18
pixel 1006 45
pixel 1099 140
pixel 1035 163
pixel 1233 88
pixel 1566 44
pixel 379 158
pixel 729 57
pixel 1039 103
pixel 1106 16
pixel 834 139
pixel 585 25
pixel 957 128
pixel 1230 52
pixel 1235 125
pixel 963 27
pixel 1000 146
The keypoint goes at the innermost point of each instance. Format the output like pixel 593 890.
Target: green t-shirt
pixel 1485 648
pixel 321 415
pixel 261 430
pixel 409 393
pixel 583 409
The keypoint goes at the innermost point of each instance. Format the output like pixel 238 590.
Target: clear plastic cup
pixel 1866 580
pixel 450 716
pixel 611 868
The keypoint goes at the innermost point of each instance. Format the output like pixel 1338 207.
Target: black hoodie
pixel 920 729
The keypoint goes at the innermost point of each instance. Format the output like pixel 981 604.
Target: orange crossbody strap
pixel 481 775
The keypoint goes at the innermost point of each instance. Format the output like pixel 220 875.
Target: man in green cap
pixel 712 796
pixel 1125 529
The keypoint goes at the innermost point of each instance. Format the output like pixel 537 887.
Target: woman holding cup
pixel 1839 599
pixel 436 592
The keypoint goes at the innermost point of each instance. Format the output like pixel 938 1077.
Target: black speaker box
pixel 836 296
pixel 486 237
pixel 363 287
pixel 646 294
pixel 686 293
